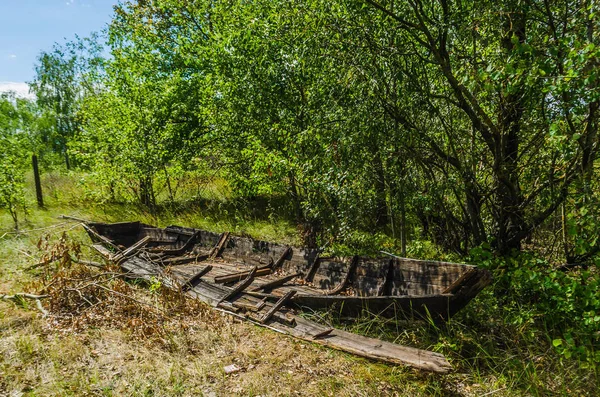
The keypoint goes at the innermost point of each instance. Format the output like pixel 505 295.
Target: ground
pixel 41 356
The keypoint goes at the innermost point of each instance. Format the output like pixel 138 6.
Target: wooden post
pixel 38 184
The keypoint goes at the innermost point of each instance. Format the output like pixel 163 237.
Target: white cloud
pixel 20 89
pixel 12 56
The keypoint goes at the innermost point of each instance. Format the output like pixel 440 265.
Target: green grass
pixel 490 353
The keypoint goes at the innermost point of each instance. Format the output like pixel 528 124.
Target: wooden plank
pixel 132 250
pixel 437 306
pixel 228 306
pixel 102 250
pixel 313 269
pixel 216 251
pixel 101 238
pixel 469 290
pixel 183 260
pixel 262 303
pixel 459 281
pixel 242 285
pixel 371 348
pixel 435 273
pixel 282 257
pixel 246 306
pixel 344 283
pixel 372 277
pixel 241 275
pixel 322 333
pixel 190 282
pixel 277 282
pixel 178 251
pixel 277 306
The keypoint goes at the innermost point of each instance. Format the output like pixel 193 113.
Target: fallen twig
pixel 88 263
pixel 24 295
pixel 42 263
pixel 73 218
pixel 25 231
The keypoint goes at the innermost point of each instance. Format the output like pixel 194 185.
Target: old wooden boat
pixel 267 283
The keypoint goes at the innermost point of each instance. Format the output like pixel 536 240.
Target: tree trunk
pixel 38 184
pixel 473 206
pixel 168 183
pixel 67 160
pixel 510 219
pixel 295 198
pixel 147 196
pixel 402 222
pixel 381 210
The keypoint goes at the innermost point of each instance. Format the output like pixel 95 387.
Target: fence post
pixel 38 184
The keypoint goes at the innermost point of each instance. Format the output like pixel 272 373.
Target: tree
pixel 64 76
pixel 523 88
pixel 17 137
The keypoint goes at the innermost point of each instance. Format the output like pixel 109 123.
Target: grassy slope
pixel 37 358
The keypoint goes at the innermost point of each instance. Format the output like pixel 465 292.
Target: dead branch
pixel 73 218
pixel 88 263
pixel 25 231
pixel 42 263
pixel 24 295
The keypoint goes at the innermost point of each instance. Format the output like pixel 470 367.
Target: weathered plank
pixel 276 283
pixel 216 251
pixel 183 260
pixel 98 237
pixel 282 301
pixel 347 277
pixel 233 277
pixel 371 348
pixel 189 244
pixel 190 282
pixel 313 268
pixel 372 277
pixel 131 250
pixel 408 306
pixel 285 254
pixel 242 285
pixel 460 281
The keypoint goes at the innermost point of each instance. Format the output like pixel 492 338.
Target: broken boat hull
pixel 389 287
pixel 262 282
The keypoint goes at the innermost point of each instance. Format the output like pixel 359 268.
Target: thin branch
pixel 23 295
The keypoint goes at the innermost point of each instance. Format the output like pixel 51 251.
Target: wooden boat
pixel 385 286
pixel 266 282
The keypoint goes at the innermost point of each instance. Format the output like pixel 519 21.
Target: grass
pixel 40 358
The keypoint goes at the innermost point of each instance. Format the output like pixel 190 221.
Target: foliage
pixel 563 304
pixel 17 138
pixel 63 78
pixel 393 116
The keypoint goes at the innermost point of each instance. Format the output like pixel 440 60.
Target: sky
pixel 28 27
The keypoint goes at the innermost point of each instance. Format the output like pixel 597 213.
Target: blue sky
pixel 30 26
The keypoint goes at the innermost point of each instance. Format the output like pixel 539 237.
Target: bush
pixel 563 304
